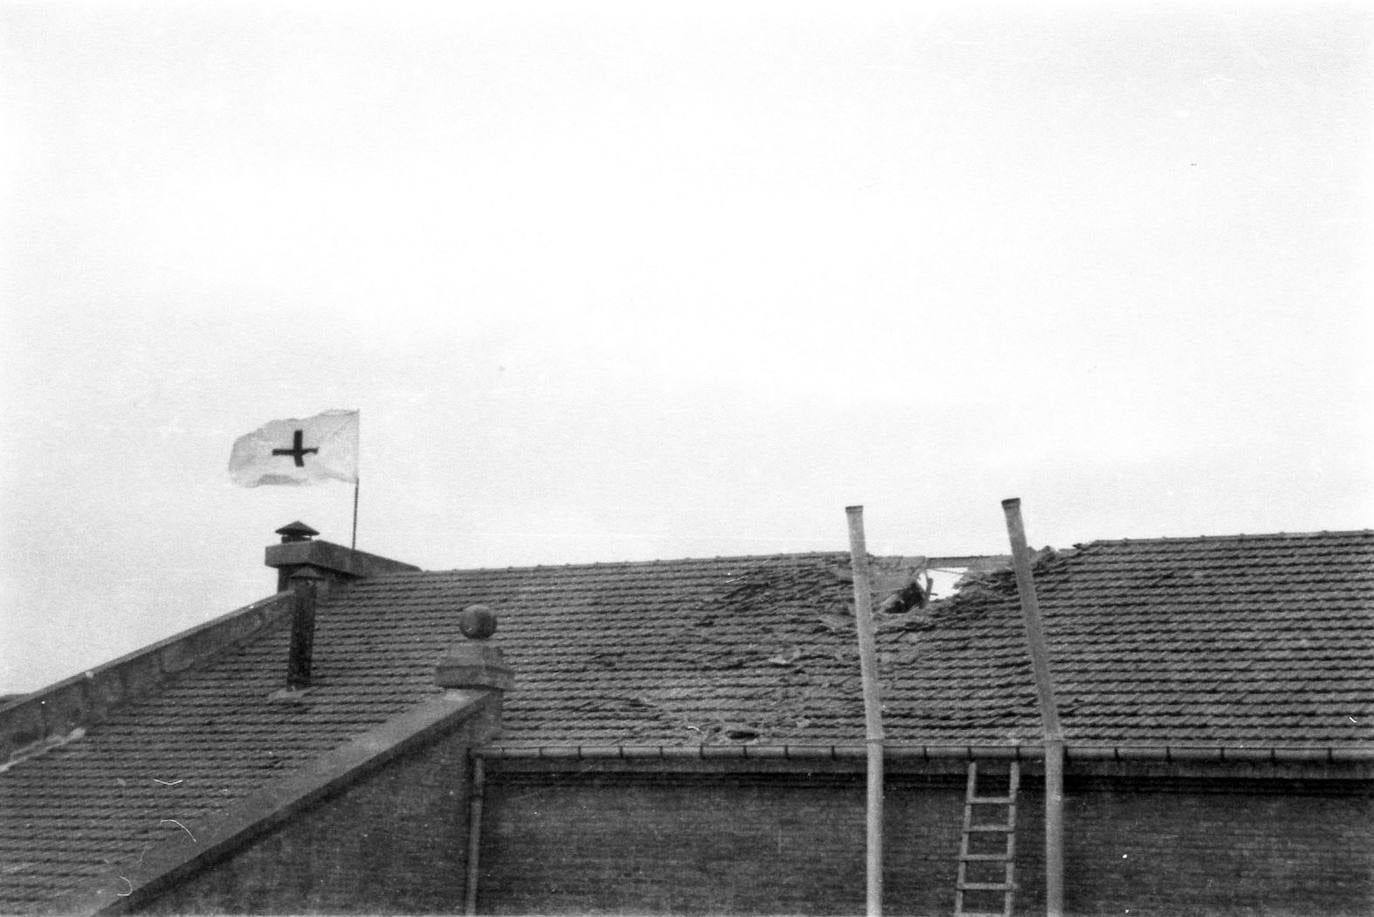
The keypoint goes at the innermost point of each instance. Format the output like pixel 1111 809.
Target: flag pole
pixel 357 482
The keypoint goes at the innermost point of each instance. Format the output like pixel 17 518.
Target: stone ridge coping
pixel 46 717
pixel 135 884
pixel 330 556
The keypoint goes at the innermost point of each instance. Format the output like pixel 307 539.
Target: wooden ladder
pixel 986 870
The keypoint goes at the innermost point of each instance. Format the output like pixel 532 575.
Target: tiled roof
pixel 1262 640
pixel 171 761
pixel 1259 640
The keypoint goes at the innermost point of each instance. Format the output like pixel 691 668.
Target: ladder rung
pixel 1006 859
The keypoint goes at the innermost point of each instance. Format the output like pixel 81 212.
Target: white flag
pixel 319 448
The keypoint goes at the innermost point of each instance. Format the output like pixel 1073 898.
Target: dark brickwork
pixel 395 842
pixel 1259 849
pixel 585 842
pixel 733 844
pixel 750 844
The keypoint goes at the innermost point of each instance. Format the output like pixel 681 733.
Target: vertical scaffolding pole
pixel 1049 711
pixel 873 710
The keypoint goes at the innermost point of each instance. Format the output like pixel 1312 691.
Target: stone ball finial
pixel 477 622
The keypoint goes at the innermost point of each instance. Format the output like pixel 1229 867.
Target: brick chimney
pixel 291 533
pixel 310 570
pixel 336 564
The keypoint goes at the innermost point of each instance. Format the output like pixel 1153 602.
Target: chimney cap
pixel 308 572
pixel 296 531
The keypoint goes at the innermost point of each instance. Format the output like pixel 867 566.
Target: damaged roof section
pixel 1263 639
pixel 1236 642
pixel 1250 639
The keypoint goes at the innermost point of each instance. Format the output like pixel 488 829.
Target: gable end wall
pixel 395 842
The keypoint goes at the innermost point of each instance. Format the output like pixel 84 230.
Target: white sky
pixel 609 284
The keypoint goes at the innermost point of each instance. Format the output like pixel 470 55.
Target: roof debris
pixel 787 657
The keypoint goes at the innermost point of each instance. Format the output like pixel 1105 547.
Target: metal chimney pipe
pixel 873 709
pixel 291 533
pixel 304 588
pixel 1049 711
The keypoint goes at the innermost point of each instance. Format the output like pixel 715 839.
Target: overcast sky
pixel 608 284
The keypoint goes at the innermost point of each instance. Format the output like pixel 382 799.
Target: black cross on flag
pixel 319 448
pixel 296 451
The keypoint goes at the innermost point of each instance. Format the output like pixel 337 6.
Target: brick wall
pixel 1258 848
pixel 710 844
pixel 590 843
pixel 580 840
pixel 394 842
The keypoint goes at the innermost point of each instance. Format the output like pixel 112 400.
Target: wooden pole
pixel 873 710
pixel 1054 826
pixel 1049 711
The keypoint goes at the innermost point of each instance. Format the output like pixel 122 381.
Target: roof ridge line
pixel 1239 536
pixel 724 558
